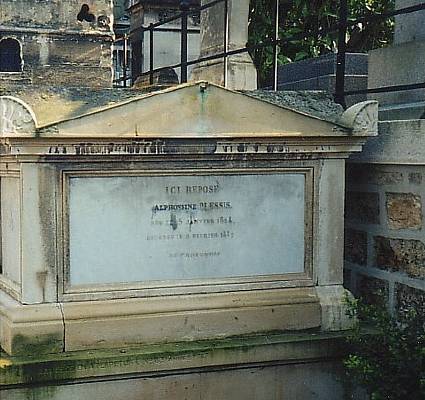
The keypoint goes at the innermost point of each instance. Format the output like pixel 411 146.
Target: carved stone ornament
pixel 16 117
pixel 362 118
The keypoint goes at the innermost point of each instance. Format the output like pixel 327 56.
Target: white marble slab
pixel 145 228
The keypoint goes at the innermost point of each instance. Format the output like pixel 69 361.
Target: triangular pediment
pixel 194 110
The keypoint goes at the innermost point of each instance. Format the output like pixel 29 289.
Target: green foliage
pixel 389 361
pixel 306 19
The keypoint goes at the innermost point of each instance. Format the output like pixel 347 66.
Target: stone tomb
pixel 188 214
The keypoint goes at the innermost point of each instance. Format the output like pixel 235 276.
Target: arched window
pixel 10 55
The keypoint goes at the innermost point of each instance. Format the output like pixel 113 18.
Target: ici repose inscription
pixel 145 228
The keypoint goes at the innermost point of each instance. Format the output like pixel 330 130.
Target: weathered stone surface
pixel 404 255
pixel 55 15
pixel 10 238
pixel 51 104
pixel 58 47
pixel 116 324
pixel 362 117
pixel 409 27
pixel 372 174
pixel 24 335
pixel 397 65
pixel 202 370
pixel 362 207
pixel 265 382
pixel 401 63
pixel 355 246
pixel 197 116
pixel 16 117
pixel 200 138
pixel 334 306
pixel 398 142
pixel 404 210
pixel 318 103
pixel 372 290
pixel 415 178
pixel 329 239
pixel 89 77
pixel 241 72
pixel 408 298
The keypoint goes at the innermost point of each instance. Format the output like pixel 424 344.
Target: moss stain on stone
pixel 40 393
pixel 203 88
pixel 38 367
pixel 23 345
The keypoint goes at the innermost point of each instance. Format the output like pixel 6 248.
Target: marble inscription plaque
pixel 145 228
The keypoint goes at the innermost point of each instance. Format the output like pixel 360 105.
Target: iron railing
pixel 340 29
pixel 184 31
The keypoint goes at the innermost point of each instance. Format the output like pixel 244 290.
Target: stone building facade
pixel 64 43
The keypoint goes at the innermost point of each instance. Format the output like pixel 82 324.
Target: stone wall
pixel 59 43
pixel 384 235
pixel 69 60
pixel 54 14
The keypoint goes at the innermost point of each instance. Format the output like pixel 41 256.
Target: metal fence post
pixel 276 48
pixel 340 58
pixel 226 41
pixel 151 53
pixel 184 7
pixel 125 59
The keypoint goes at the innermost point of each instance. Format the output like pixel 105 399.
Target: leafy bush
pixel 388 357
pixel 307 18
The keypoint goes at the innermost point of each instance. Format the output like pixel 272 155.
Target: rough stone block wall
pixel 68 60
pixel 60 45
pixel 385 233
pixel 53 14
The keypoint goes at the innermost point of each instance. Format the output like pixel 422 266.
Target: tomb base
pixel 73 326
pixel 88 325
pixel 272 366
